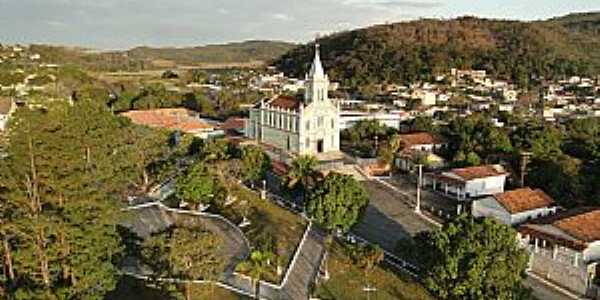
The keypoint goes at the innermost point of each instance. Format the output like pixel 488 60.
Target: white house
pixel 565 249
pixel 515 207
pixel 468 183
pixel 349 118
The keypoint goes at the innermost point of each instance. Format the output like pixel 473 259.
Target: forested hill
pixel 583 22
pixel 226 53
pixel 406 51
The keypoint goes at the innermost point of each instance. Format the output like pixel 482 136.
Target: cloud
pixel 394 4
pixel 119 24
pixel 282 17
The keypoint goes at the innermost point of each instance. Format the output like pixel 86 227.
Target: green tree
pixel 257 266
pixel 65 168
pixel 196 186
pixel 255 163
pixel 149 146
pixel 338 202
pixel 302 171
pixel 561 178
pixel 546 143
pixel 472 259
pixel 185 253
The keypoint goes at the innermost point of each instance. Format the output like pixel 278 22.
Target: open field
pixel 348 280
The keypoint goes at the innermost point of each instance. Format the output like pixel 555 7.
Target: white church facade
pixel 300 126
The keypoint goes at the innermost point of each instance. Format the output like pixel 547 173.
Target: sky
pixel 121 24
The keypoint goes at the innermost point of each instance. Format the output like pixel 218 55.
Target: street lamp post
pixel 368 289
pixel 418 206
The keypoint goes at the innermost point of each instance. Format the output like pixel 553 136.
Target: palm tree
pixel 257 267
pixel 303 169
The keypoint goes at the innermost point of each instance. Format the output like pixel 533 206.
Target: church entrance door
pixel 320 146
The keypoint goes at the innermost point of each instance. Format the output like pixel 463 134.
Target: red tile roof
pixel 523 199
pixel 5 105
pixel 584 226
pixel 471 173
pixel 234 123
pixel 280 168
pixel 286 102
pixel 421 138
pixel 172 119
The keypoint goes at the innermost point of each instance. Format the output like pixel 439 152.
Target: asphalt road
pixel 388 218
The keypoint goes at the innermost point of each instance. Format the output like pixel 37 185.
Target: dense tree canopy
pixel 472 259
pixel 409 51
pixel 338 202
pixel 255 163
pixel 197 185
pixel 186 253
pixel 66 166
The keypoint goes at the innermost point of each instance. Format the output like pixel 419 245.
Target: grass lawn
pixel 347 281
pixel 133 289
pixel 269 224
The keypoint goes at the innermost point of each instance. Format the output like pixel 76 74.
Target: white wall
pixel 592 252
pixel 489 207
pixel 532 214
pixel 485 186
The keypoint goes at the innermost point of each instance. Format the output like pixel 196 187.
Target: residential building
pixel 565 248
pixel 175 119
pixel 299 126
pixel 419 145
pixel 390 119
pixel 465 184
pixel 515 207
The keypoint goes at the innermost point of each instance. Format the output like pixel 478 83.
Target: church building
pixel 306 125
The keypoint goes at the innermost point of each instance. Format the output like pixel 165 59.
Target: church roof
pixel 286 102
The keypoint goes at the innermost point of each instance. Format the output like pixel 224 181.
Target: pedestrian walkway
pixel 305 265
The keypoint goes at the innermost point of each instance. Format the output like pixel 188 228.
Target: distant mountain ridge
pixel 240 52
pixel 139 58
pixel 408 51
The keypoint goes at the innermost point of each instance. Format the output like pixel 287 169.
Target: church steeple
pixel 316 71
pixel 317 82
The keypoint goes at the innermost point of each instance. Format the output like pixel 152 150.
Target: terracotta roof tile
pixel 421 138
pixel 584 226
pixel 234 123
pixel 286 102
pixel 172 119
pixel 523 199
pixel 5 105
pixel 280 168
pixel 471 173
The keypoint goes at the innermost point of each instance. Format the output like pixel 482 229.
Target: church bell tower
pixel 317 82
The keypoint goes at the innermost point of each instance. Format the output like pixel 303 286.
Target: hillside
pixel 227 53
pixel 581 22
pixel 408 51
pixel 144 58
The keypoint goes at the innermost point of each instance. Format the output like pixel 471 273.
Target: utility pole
pixel 418 207
pixel 525 157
